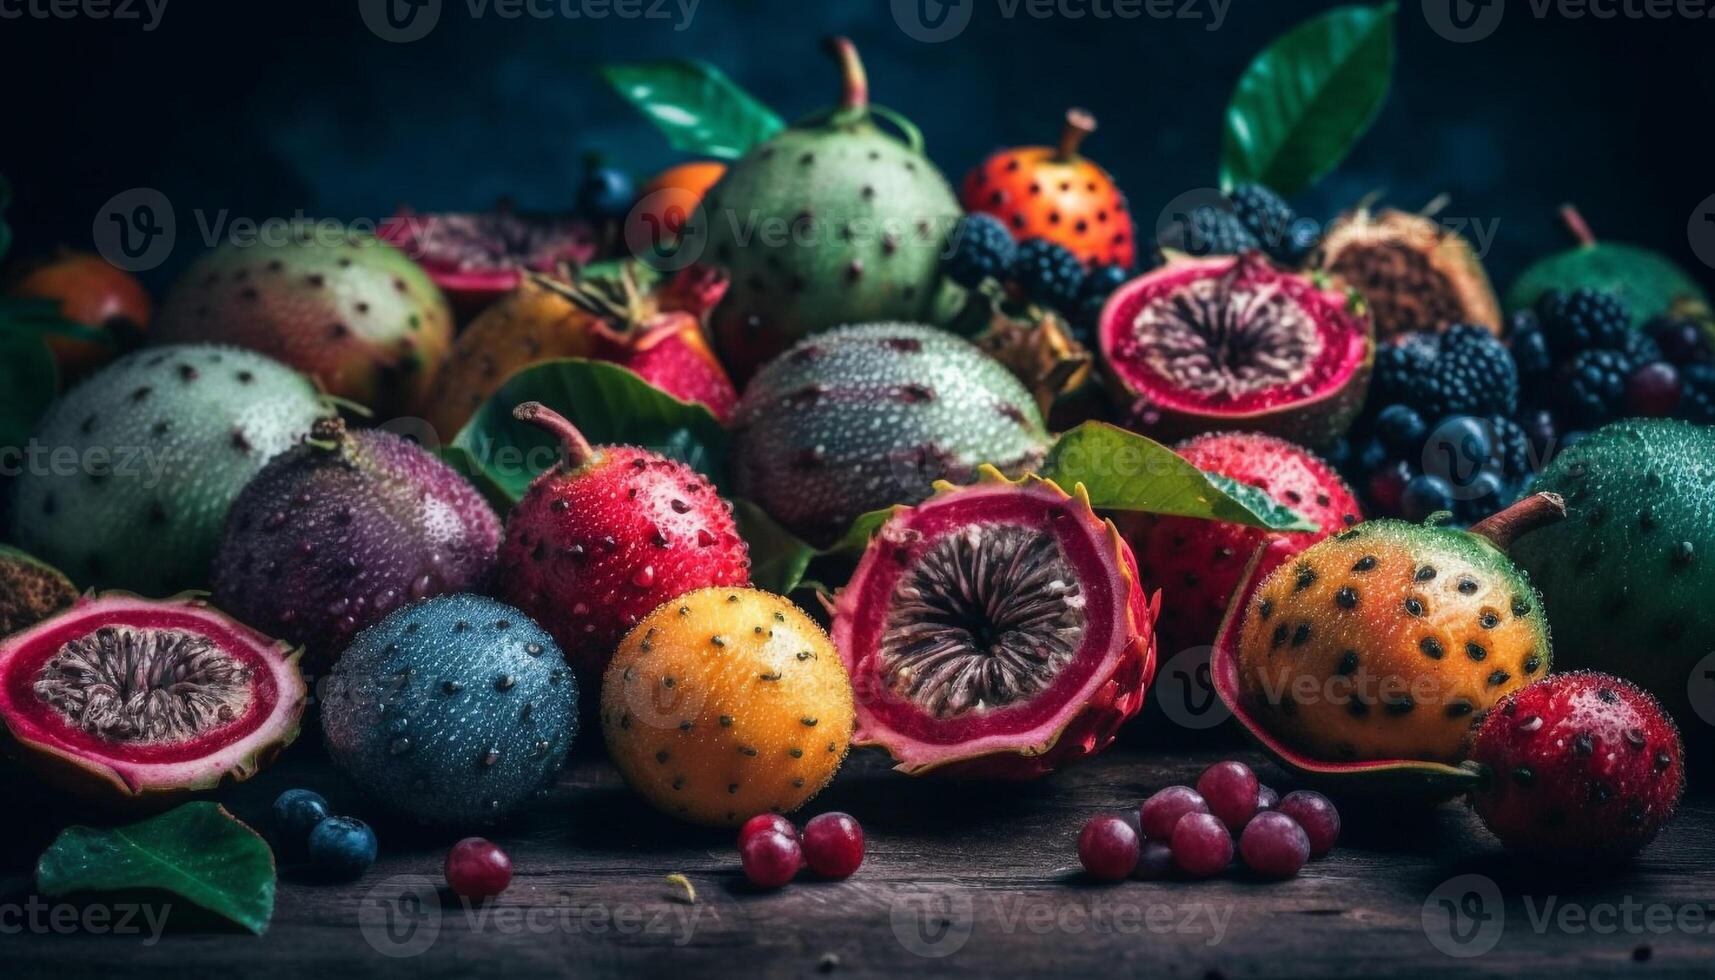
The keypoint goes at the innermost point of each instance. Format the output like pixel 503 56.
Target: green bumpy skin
pixel 1628 578
pixel 152 451
pixel 1648 283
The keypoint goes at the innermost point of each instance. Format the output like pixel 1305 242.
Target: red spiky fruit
pixel 608 535
pixel 1196 564
pixel 1051 192
pixel 1580 763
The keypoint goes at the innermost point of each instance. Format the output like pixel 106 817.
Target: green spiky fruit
pixel 868 416
pixel 137 467
pixel 833 221
pixel 1376 652
pixel 30 591
pixel 1628 577
pixel 1650 284
pixel 352 312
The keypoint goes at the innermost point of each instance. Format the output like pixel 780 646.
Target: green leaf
pixel 699 109
pixel 779 559
pixel 1307 98
pixel 198 852
pixel 609 404
pixel 1122 470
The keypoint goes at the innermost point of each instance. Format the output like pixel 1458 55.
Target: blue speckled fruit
pixel 452 711
pixel 160 443
pixel 868 416
pixel 345 528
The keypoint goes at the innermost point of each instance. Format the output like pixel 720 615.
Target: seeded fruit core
pixel 986 618
pixel 162 687
pixel 1219 339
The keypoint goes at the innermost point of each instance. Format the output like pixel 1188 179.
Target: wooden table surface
pixel 977 880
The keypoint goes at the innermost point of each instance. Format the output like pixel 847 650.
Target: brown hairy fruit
pixel 726 703
pixel 30 591
pixel 1414 273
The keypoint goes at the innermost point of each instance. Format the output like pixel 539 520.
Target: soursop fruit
pixel 833 221
pixel 133 471
pixel 868 416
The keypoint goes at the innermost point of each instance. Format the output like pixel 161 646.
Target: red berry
pixel 478 868
pixel 1316 814
pixel 1201 844
pixel 1653 390
pixel 764 822
pixel 1230 789
pixel 1108 848
pixel 1161 812
pixel 1154 861
pixel 1274 845
pixel 770 859
pixel 833 845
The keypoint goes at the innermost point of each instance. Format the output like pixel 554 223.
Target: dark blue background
pixel 265 109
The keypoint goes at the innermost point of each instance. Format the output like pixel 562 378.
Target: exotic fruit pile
pixel 1237 343
pixel 995 630
pixel 867 215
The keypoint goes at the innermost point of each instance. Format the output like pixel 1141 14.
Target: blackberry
pixel 1697 393
pixel 1210 230
pixel 1531 353
pixel 1681 341
pixel 1511 452
pixel 1271 221
pixel 982 249
pixel 1584 319
pixel 1641 348
pixel 1464 371
pixel 1048 273
pixel 1103 280
pixel 1594 386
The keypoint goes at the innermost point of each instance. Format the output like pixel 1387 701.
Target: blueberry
pixel 296 813
pixel 1401 428
pixel 1338 453
pixel 342 848
pixel 1458 448
pixel 1425 495
pixel 605 193
pixel 1485 494
pixel 1372 456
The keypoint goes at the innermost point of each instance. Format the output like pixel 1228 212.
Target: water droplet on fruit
pixel 644 577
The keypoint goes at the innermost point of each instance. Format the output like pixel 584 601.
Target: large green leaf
pixel 609 404
pixel 699 109
pixel 779 559
pixel 198 852
pixel 1122 470
pixel 1307 98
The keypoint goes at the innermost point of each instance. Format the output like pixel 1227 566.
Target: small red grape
pixel 1274 846
pixel 1230 788
pixel 1154 861
pixel 1108 848
pixel 763 822
pixel 1316 814
pixel 770 859
pixel 1653 390
pixel 477 868
pixel 1161 812
pixel 833 845
pixel 1202 845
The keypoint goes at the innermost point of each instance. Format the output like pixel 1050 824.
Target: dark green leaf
pixel 1307 98
pixel 1122 470
pixel 779 559
pixel 29 380
pixel 610 406
pixel 198 852
pixel 696 105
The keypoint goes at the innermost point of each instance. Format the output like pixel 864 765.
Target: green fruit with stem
pixel 1648 282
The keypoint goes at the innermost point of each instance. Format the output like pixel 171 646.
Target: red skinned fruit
pixel 605 537
pixel 995 630
pixel 1233 342
pixel 1196 564
pixel 95 293
pixel 1578 764
pixel 478 257
pixel 124 700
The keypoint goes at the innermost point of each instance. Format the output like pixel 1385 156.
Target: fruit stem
pixel 579 452
pixel 1576 224
pixel 1535 511
pixel 854 93
pixel 327 433
pixel 1079 124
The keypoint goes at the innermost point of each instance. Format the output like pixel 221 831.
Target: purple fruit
pixel 339 531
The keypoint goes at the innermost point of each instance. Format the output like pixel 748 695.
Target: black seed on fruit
pixel 1467 586
pixel 1607 696
pixel 451 687
pixel 770 676
pixel 747 750
pixel 1306 578
pixel 1683 552
pixel 1520 607
pixel 1266 608
pixel 668 682
pixel 1425 573
pixel 1414 606
pixel 1348 535
pixel 1476 651
pixel 1347 598
pixel 1400 706
pixel 1279 635
pixel 1662 760
pixel 1532 663
pixel 795 752
pixel 1524 775
pixel 1635 739
pixel 1489 620
pixel 1459 709
pixel 1584 743
pixel 1301 635
pixel 1348 664
pixel 732 787
pixel 1431 648
pixel 686 725
pixel 1498 678
pixel 662 756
